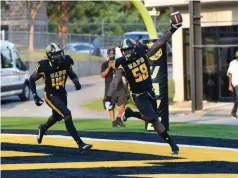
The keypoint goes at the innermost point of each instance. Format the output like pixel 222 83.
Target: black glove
pixel 38 100
pixel 77 86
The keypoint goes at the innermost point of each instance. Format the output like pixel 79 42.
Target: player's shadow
pixel 69 155
pixel 64 154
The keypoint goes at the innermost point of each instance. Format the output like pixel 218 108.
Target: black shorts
pixel 118 98
pixel 146 104
pixel 58 104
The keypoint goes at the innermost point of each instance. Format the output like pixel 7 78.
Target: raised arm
pixel 176 22
pixel 159 43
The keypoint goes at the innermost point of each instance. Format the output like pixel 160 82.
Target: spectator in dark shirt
pixel 121 95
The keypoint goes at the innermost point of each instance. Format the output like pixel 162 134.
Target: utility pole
pixel 102 27
pixel 196 72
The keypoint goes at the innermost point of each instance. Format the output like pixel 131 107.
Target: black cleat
pixel 175 150
pixel 41 132
pixel 114 124
pixel 127 113
pixel 84 147
pixel 119 122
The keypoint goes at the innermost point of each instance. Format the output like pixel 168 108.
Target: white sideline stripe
pixel 126 141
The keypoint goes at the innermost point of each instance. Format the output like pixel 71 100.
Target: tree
pixel 4 5
pixel 86 17
pixel 60 12
pixel 33 7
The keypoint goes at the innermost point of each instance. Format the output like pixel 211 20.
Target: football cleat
pixel 41 132
pixel 84 147
pixel 127 113
pixel 175 150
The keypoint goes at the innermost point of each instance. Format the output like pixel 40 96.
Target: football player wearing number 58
pixel 134 65
pixel 55 70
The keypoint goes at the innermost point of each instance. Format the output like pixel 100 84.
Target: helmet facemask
pixel 57 57
pixel 128 53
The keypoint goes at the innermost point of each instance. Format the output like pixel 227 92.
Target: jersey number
pixel 58 82
pixel 140 73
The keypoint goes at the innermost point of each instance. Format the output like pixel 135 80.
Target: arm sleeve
pixel 34 77
pixel 72 74
pixel 159 43
pixel 114 83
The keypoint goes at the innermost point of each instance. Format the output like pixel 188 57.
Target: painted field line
pixel 125 141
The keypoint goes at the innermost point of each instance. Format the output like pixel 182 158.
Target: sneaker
pixel 41 132
pixel 114 124
pixel 127 113
pixel 233 116
pixel 119 122
pixel 84 147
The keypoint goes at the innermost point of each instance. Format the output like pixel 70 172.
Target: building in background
pixel 16 22
pixel 219 41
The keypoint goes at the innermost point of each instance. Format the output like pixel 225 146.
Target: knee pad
pixel 68 117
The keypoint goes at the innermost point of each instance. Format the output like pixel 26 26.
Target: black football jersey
pixel 137 71
pixel 54 77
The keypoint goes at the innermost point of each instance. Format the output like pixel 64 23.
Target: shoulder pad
pixel 68 60
pixel 42 65
pixel 118 62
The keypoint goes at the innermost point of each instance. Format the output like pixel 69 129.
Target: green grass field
pixel 181 129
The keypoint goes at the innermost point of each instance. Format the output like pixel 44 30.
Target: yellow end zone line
pixel 82 165
pixel 125 141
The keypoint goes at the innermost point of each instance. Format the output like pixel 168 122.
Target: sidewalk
pixel 212 113
pixel 186 107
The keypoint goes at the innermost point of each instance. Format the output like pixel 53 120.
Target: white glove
pixel 108 105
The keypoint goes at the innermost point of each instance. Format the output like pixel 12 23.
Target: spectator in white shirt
pixel 233 83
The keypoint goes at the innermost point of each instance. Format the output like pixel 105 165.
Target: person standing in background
pixel 96 44
pixel 233 83
pixel 121 95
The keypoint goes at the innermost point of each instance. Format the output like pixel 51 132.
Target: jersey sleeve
pixel 69 61
pixel 40 67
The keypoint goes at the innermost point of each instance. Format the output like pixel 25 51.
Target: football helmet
pixel 55 53
pixel 128 49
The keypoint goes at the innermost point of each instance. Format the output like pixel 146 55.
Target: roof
pixel 6 44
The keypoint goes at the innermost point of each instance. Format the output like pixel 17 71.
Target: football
pixel 176 18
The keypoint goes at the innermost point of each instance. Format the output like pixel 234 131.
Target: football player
pixel 55 70
pixel 134 65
